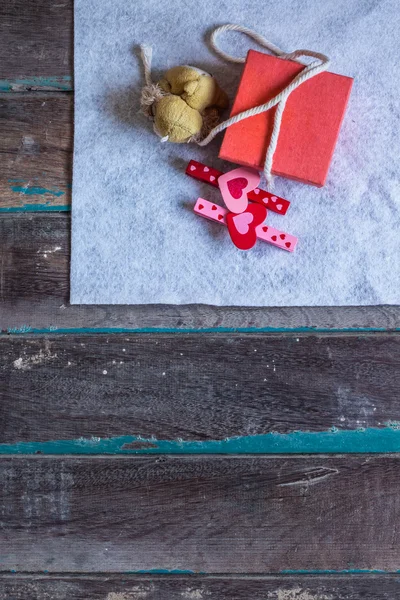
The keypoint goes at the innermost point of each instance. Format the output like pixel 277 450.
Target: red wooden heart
pixel 242 227
pixel 236 186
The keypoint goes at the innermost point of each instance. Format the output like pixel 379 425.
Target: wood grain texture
pixel 200 514
pixel 36 150
pixel 208 514
pixel 194 387
pixel 34 293
pixel 131 587
pixel 37 39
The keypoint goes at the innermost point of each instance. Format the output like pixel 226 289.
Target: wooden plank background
pixel 202 514
pixel 177 587
pixel 36 150
pixel 198 388
pixel 148 379
pixel 37 43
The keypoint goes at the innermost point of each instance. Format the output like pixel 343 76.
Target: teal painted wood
pixel 60 83
pixel 177 572
pixel 27 208
pixel 371 440
pixel 25 188
pixel 287 572
pixel 22 188
pixel 200 394
pixel 147 330
pixel 35 191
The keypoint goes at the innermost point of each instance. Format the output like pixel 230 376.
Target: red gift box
pixel 310 125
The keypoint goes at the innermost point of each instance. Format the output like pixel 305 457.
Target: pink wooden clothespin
pixel 247 230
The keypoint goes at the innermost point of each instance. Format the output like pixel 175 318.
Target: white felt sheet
pixel 135 239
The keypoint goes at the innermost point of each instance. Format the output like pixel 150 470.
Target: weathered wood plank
pixel 34 292
pixel 36 150
pixel 232 392
pixel 132 587
pixel 200 514
pixel 37 39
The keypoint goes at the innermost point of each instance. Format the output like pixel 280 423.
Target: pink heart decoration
pixel 235 185
pixel 242 227
pixel 242 222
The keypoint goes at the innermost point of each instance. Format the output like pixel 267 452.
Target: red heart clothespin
pixel 265 233
pixel 242 219
pixel 211 176
pixel 245 222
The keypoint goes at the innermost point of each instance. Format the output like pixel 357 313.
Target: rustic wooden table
pixel 166 452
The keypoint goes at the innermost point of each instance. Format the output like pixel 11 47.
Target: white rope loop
pixel 146 53
pixel 311 70
pixel 260 39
